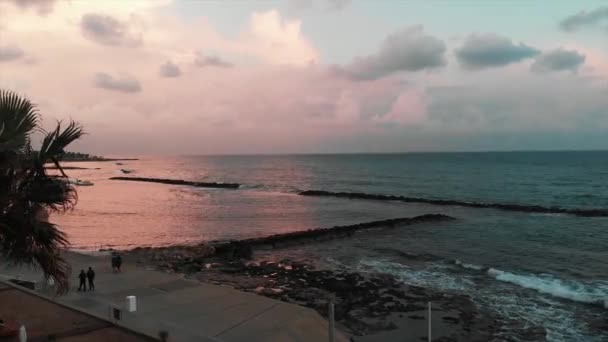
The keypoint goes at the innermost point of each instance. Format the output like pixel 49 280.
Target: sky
pixel 313 76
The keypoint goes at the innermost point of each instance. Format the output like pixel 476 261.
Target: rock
pixel 534 334
pixel 340 311
pixel 599 324
pixel 452 320
pixel 242 251
pixel 179 182
pixel 335 285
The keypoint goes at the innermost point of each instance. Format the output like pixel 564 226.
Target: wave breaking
pixel 574 291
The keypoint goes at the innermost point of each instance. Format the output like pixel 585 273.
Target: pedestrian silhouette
pixel 83 281
pixel 91 278
pixel 118 262
pixel 114 262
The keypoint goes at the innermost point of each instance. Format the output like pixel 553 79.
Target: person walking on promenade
pixel 91 278
pixel 83 281
pixel 114 255
pixel 118 262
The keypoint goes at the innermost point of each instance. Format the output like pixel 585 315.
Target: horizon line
pixel 350 153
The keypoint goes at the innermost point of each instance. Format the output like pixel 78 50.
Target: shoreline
pixel 370 306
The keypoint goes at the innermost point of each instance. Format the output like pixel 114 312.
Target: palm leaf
pixel 18 117
pixel 36 242
pixel 54 143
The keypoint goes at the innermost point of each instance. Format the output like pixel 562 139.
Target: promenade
pixel 187 309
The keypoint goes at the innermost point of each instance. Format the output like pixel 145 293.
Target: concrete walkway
pixel 187 309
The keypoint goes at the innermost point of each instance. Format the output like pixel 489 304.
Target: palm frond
pixel 19 117
pixel 54 143
pixel 30 241
pixel 54 193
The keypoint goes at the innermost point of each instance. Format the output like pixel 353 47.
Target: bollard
pixel 332 322
pixel 131 303
pixel 22 334
pixel 429 319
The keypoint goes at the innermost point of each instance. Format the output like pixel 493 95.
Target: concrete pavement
pixel 187 309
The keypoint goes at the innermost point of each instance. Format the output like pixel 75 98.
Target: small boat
pixel 120 164
pixel 80 182
pixel 126 171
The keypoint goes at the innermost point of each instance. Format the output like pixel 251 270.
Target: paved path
pixel 189 310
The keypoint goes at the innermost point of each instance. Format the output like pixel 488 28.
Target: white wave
pixel 574 291
pixel 435 277
pixel 468 266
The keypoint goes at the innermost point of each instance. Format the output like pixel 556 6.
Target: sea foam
pixel 596 294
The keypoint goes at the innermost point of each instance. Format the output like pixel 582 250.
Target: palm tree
pixel 28 193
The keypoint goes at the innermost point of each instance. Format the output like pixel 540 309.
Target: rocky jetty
pixel 180 182
pixel 500 206
pixel 71 168
pixel 243 248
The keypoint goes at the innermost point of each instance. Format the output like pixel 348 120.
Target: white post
pixel 429 319
pixel 131 303
pixel 22 334
pixel 331 322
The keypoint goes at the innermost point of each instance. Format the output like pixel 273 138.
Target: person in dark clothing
pixel 114 261
pixel 91 278
pixel 83 281
pixel 118 262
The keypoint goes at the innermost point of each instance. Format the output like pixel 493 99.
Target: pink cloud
pixel 277 96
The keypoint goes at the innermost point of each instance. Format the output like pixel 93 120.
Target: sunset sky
pixel 306 76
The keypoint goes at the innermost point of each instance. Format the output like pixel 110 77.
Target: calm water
pixel 549 270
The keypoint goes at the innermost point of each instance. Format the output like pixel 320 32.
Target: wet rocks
pixel 500 206
pixel 180 182
pixel 185 259
pixel 533 334
pixel 363 303
pixel 599 324
pixel 242 248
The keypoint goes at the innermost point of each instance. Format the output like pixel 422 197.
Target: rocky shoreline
pixel 441 202
pixel 370 307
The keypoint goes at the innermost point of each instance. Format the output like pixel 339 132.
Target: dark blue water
pixel 538 269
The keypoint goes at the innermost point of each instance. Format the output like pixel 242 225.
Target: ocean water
pixel 549 270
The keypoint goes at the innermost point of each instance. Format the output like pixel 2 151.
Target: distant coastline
pixel 84 157
pixel 99 160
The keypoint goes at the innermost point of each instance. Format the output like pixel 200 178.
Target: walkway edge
pixel 72 307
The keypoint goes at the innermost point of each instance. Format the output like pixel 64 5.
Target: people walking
pixel 114 255
pixel 91 278
pixel 118 262
pixel 83 281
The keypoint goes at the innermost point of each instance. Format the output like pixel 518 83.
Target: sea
pixel 547 270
